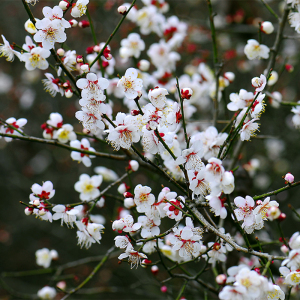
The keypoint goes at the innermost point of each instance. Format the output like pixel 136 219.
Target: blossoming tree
pixel 187 223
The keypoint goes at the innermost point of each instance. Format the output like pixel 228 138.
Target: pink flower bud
pixel 64 5
pixel 61 285
pixel 154 270
pixel 68 93
pixel 221 279
pixel 84 24
pixel 289 68
pixel 36 202
pixel 186 93
pixel 273 213
pixel 267 27
pixel 284 249
pixel 60 52
pixel 133 165
pixel 164 289
pixel 282 217
pixel 258 202
pixel 122 188
pixel 28 211
pixel 85 68
pixel 257 270
pixel 122 9
pixel 73 23
pixel 289 178
pixel 97 48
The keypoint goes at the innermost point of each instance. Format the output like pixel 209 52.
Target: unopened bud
pixel 282 217
pixel 203 249
pixel 128 195
pixel 109 56
pixel 134 165
pixel 289 178
pixel 284 249
pixel 84 24
pixel 97 48
pixel 164 289
pixel 258 202
pixel 68 93
pixel 230 76
pixel 85 68
pixel 221 279
pixel 60 52
pixel 122 9
pixel 267 27
pixel 122 188
pixel 42 211
pixel 186 93
pixel 54 254
pixel 144 65
pixel 289 68
pixel 61 285
pixel 79 59
pixel 154 270
pixel 28 211
pixel 73 23
pixel 135 112
pixel 36 202
pixel 129 203
pixel 257 270
pixel 64 5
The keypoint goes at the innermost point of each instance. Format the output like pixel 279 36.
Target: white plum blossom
pixel 36 59
pixel 88 187
pixel 217 253
pixel 66 214
pixel 214 170
pixel 44 192
pixel 45 256
pixel 143 198
pixel 49 33
pixel 79 8
pixel 130 84
pixel 47 292
pixel 107 174
pixel 124 134
pixel 244 212
pixel 55 13
pixel 7 51
pixel 134 257
pixel 192 157
pixel 92 87
pixel 132 46
pixel 52 85
pixel 248 130
pixel 172 211
pixel 254 50
pixel 126 224
pixel 294 18
pixel 123 242
pixel 157 96
pixel 91 120
pixel 82 157
pixel 66 133
pixel 198 184
pixel 259 83
pixel 17 124
pixel 88 233
pixel 296 117
pixel 217 205
pixel 240 101
pixel 235 292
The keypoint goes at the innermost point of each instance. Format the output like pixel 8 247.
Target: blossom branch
pixel 96 269
pixel 113 33
pixel 289 186
pixel 203 221
pixel 55 143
